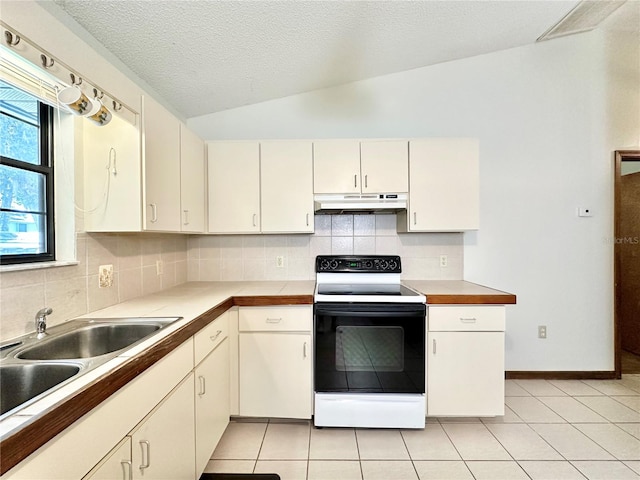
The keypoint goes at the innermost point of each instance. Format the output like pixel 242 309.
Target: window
pixel 26 178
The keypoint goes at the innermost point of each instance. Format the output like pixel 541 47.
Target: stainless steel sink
pixel 90 341
pixel 32 367
pixel 20 383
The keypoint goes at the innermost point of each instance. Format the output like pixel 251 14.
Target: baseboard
pixel 548 375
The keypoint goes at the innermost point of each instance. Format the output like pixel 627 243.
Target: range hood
pixel 356 203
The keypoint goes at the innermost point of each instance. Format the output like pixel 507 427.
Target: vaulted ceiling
pixel 205 56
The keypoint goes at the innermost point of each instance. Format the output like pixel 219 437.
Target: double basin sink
pixel 31 368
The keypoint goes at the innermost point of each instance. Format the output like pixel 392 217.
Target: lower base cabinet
pixel 275 352
pixel 465 361
pixel 212 408
pixel 116 465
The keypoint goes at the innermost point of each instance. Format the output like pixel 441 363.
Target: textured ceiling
pixel 207 56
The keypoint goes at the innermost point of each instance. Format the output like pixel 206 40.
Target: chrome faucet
pixel 41 321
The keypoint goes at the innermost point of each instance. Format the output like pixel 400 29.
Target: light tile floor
pixel 552 430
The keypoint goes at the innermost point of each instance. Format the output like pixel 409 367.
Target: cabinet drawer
pixel 466 318
pixel 210 336
pixel 275 319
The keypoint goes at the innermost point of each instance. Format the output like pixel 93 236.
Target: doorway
pixel 627 261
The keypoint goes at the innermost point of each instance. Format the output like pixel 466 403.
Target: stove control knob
pixel 333 265
pixel 368 264
pixel 393 265
pixel 324 265
pixel 383 264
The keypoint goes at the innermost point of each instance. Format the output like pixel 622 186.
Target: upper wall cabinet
pixel 112 180
pixel 234 187
pixel 351 166
pixel 384 166
pixel 161 160
pixel 260 187
pixel 286 175
pixel 444 186
pixel 192 181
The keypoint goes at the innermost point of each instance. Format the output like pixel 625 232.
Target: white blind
pixel 19 73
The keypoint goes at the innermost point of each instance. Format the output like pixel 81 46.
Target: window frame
pixel 45 167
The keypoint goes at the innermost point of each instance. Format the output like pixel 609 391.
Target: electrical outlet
pixel 159 267
pixel 105 276
pixel 542 331
pixel 280 261
pixel 444 260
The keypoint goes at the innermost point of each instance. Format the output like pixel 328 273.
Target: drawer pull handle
pixel 186 217
pixel 415 218
pixel 366 183
pixel 355 180
pixel 203 385
pixel 127 467
pixel 468 320
pixel 254 219
pixel 274 320
pixel 434 346
pixel 213 337
pixel 307 219
pixel 304 350
pixel 143 444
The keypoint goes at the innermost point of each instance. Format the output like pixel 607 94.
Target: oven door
pixel 369 347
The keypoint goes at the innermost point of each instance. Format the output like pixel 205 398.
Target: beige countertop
pixel 192 301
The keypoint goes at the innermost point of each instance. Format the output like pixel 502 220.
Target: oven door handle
pixel 372 313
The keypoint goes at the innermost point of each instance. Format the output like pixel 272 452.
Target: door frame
pixel 620 156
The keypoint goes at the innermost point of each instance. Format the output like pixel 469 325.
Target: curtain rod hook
pixel 9 38
pixel 46 63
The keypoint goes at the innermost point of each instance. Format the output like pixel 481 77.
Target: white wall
pixel 547 124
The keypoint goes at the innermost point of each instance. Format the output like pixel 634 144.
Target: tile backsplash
pixel 74 290
pixel 253 257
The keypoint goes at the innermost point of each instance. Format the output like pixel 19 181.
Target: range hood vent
pixel 365 203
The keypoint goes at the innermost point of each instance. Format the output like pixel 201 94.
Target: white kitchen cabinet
pixel 384 166
pixel 192 182
pixel 161 160
pixel 465 361
pixel 275 362
pixel 286 176
pixel 351 166
pixel 163 445
pixel 444 186
pixel 336 166
pixel 116 465
pixel 212 388
pixel 112 177
pixel 234 187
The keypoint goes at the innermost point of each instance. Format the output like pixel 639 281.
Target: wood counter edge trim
pixel 471 299
pixel 267 301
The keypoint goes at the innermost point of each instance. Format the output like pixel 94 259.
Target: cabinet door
pixel 336 166
pixel 465 374
pixel 163 445
pixel 385 166
pixel 234 187
pixel 161 168
pixel 286 173
pixel 192 181
pixel 212 403
pixel 112 180
pixel 275 375
pixel 444 185
pixel 114 466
